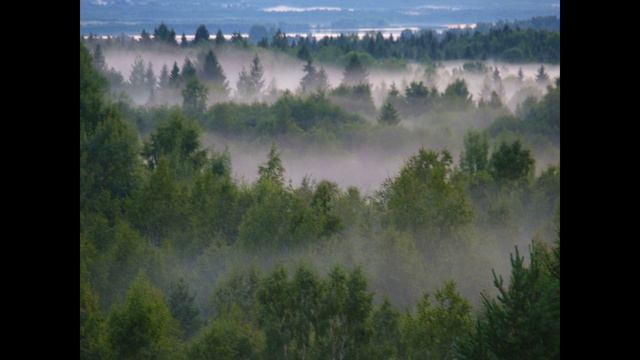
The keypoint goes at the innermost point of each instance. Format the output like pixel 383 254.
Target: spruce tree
pixel 188 70
pixel 310 78
pixel 202 34
pixel 183 308
pixel 175 78
pixel 194 97
pixel 212 71
pixel 542 76
pixel 251 84
pixel 389 115
pixel 355 73
pixel 150 77
pixel 137 76
pixel 163 82
pixel 219 38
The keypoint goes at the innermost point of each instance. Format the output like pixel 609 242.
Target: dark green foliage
pixel 175 78
pixel 184 216
pixel 176 139
pixel 202 34
pixel 194 98
pixel 272 171
pixel 355 99
pixel 239 290
pixel 163 34
pixel 227 338
pixel 182 308
pixel 220 38
pixel 457 95
pixel 435 328
pixel 386 338
pixel 142 327
pixel 389 115
pixel 355 73
pixel 313 80
pixel 523 321
pixel 188 70
pixel 212 71
pixel 108 147
pixel 275 314
pixel 511 163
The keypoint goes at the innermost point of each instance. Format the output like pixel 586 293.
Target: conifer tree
pixel 182 307
pixel 188 70
pixel 163 81
pixel 137 76
pixel 251 84
pixel 212 71
pixel 542 76
pixel 175 79
pixel 355 73
pixel 150 77
pixel 202 34
pixel 220 38
pixel 389 115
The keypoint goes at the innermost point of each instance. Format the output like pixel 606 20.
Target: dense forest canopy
pixel 182 258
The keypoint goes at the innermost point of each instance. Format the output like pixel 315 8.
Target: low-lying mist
pixel 284 72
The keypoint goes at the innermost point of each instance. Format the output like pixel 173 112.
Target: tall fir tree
pixel 175 79
pixel 355 72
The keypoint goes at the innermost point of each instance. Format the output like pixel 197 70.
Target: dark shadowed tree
pixel 355 73
pixel 202 34
pixel 389 115
pixel 183 308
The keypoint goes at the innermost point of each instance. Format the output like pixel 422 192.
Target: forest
pixel 203 235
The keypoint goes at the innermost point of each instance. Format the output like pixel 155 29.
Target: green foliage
pixel 272 170
pixel 182 307
pixel 227 338
pixel 275 314
pixel 212 71
pixel 188 70
pixel 239 290
pixel 93 343
pixel 386 338
pixel 355 73
pixel 389 115
pixel 162 33
pixel 435 328
pixel 511 163
pixel 194 97
pixel 177 139
pixel 475 156
pixel 524 320
pixel 425 198
pixel 457 95
pixel 202 35
pixel 142 326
